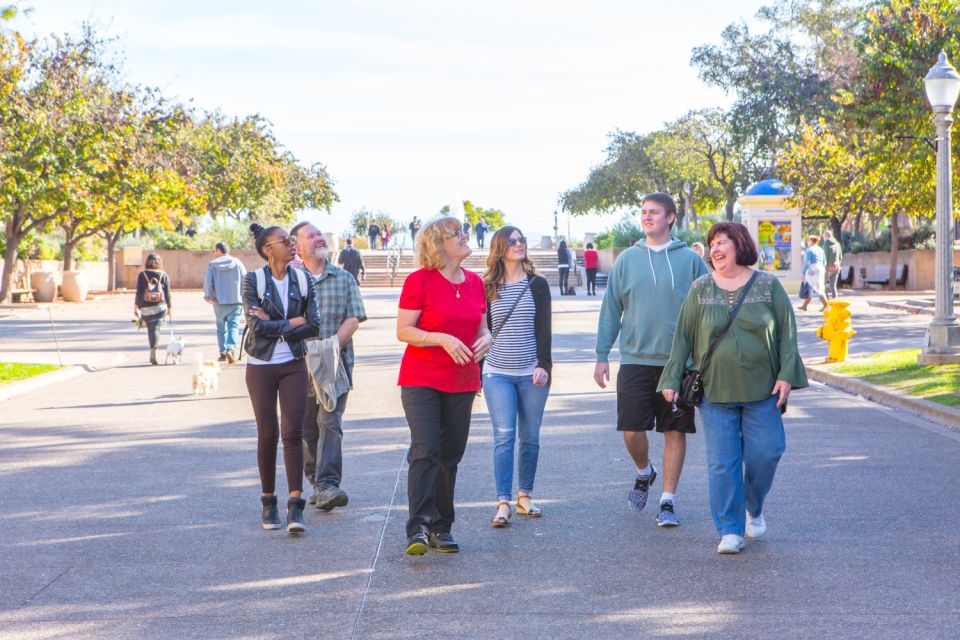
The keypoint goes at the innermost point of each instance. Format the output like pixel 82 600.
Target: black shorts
pixel 640 407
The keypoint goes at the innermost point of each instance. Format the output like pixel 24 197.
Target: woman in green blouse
pixel 747 383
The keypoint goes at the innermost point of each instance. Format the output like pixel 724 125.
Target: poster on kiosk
pixel 776 230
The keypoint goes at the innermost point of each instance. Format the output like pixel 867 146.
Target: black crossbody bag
pixel 691 386
pixel 494 333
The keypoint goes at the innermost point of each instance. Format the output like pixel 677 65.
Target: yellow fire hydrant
pixel 837 330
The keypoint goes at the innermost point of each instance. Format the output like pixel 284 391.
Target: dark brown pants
pixel 289 382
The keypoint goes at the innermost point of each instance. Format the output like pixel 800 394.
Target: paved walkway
pixel 130 510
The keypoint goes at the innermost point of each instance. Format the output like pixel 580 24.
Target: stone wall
pixel 921 266
pixel 186 269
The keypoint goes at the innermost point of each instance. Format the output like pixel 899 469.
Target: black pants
pixel 289 382
pixel 564 278
pixel 591 281
pixel 153 328
pixel 439 424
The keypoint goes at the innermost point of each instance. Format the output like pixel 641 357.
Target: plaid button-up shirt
pixel 339 299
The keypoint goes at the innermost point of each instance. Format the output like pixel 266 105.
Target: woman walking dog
pixel 152 301
pixel 282 311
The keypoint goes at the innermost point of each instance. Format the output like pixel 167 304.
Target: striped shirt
pixel 514 350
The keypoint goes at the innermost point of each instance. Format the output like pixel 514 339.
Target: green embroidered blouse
pixel 759 349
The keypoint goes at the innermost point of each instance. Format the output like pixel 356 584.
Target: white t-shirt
pixel 281 352
pixel 660 247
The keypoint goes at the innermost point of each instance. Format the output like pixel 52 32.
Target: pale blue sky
pixel 414 104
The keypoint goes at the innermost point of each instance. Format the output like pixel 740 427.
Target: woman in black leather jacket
pixel 278 322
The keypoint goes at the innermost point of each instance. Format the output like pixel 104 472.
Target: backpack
pixel 261 277
pixel 154 292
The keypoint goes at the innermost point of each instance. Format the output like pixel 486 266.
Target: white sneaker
pixel 731 543
pixel 756 527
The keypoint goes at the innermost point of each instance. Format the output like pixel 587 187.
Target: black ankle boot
pixel 271 517
pixel 295 515
pixel 153 356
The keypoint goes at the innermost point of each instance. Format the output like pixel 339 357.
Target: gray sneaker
pixel 331 497
pixel 637 499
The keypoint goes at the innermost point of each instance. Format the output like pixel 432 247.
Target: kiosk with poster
pixel 775 229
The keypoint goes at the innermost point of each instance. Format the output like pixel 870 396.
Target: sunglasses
pixel 515 241
pixel 287 240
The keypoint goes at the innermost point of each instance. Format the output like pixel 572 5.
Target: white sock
pixel 667 497
pixel 647 470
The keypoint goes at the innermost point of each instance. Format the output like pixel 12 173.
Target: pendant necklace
pixel 456 287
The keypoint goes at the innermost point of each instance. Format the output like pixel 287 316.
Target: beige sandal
pixel 532 511
pixel 498 520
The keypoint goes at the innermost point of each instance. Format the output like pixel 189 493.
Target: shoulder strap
pixel 261 283
pixel 503 322
pixel 302 282
pixel 733 315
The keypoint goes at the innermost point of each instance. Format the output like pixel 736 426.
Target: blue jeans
pixel 514 401
pixel 744 442
pixel 228 325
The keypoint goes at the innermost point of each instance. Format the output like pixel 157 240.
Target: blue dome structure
pixel 769 187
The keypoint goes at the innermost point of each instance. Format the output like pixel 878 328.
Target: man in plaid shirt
pixel 341 312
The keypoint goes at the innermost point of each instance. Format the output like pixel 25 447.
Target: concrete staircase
pixel 379 276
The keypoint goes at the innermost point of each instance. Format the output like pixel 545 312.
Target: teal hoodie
pixel 642 302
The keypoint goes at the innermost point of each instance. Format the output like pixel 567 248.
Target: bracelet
pixel 423 340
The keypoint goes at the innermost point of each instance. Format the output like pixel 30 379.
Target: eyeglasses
pixel 287 240
pixel 515 241
pixel 457 234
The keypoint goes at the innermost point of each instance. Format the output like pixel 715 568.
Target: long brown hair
pixel 496 269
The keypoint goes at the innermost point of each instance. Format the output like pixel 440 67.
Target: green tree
pixel 494 218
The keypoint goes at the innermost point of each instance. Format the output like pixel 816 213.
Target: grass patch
pixel 13 371
pixel 899 371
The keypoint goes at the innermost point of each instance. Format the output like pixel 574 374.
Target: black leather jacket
pixel 263 335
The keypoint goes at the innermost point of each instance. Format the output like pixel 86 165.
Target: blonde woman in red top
pixel 442 318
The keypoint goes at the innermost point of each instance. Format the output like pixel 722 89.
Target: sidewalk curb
pixel 949 416
pixel 15 389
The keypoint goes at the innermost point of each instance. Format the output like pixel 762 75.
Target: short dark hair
pixel 747 254
pixel 349 242
pixel 664 199
pixel 297 227
pixel 589 245
pixel 153 261
pixel 222 247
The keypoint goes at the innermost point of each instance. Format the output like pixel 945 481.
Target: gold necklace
pixel 456 287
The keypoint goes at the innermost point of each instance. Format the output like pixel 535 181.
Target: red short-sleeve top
pixel 591 260
pixel 441 311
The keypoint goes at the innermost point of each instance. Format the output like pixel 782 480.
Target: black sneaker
pixel 295 515
pixel 329 498
pixel 667 517
pixel 637 499
pixel 443 542
pixel 271 517
pixel 417 544
pixel 222 357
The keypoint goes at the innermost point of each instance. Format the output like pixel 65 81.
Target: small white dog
pixel 206 376
pixel 174 351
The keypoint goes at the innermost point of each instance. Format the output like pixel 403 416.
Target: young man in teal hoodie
pixel 646 287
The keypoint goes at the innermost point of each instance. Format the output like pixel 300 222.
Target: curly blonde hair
pixel 430 239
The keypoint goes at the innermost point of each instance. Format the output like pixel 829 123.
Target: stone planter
pixel 75 286
pixel 43 285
